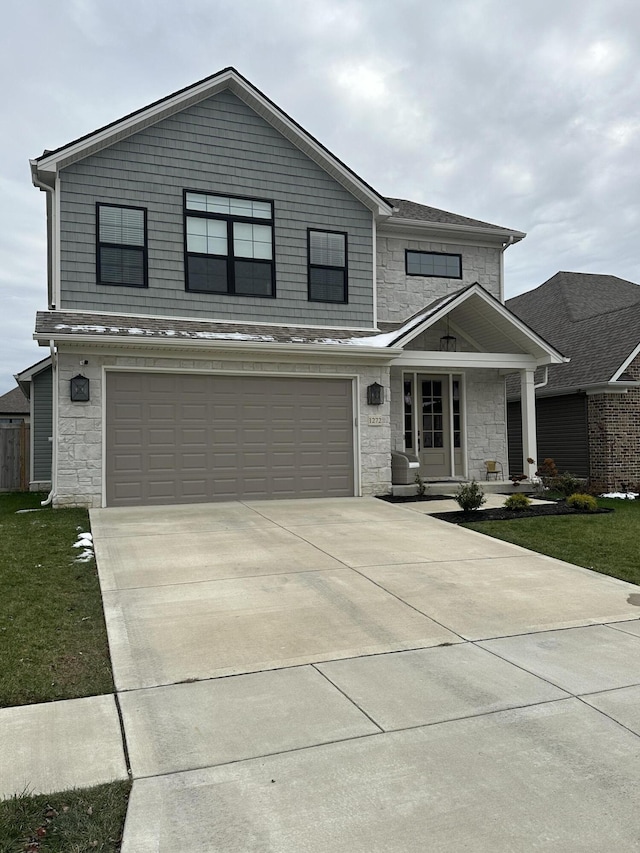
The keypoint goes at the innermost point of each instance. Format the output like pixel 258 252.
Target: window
pixel 122 245
pixel 229 245
pixel 457 424
pixel 408 414
pixel 432 414
pixel 435 264
pixel 327 266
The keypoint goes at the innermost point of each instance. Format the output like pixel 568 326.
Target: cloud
pixel 524 115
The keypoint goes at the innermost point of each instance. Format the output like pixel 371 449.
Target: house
pixel 235 314
pixel 588 412
pixel 36 387
pixel 14 407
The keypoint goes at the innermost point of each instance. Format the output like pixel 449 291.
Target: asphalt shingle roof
pixel 67 323
pixel 14 402
pixel 594 319
pixel 424 213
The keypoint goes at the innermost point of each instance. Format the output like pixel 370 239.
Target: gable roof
pixel 475 302
pixel 14 402
pixel 594 318
pixel 45 167
pixel 400 211
pixel 25 376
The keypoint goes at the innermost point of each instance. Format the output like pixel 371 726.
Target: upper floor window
pixel 122 245
pixel 327 266
pixel 435 264
pixel 229 245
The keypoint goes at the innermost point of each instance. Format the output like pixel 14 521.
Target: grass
pixel 85 819
pixel 53 641
pixel 609 543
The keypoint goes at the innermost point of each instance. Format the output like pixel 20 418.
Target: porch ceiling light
pixel 448 342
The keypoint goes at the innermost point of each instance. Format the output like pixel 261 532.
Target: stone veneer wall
pixel 614 438
pixel 486 421
pixel 485 418
pixel 79 480
pixel 400 295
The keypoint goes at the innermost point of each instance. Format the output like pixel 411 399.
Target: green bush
pixel 587 503
pixel 470 496
pixel 517 503
pixel 566 484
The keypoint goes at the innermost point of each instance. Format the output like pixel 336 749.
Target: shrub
pixel 517 503
pixel 547 472
pixel 587 503
pixel 470 496
pixel 422 486
pixel 566 484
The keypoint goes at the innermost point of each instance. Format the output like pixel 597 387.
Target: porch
pixel 447 392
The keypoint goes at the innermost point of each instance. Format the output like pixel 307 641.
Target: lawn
pixel 606 543
pixel 53 641
pixel 89 819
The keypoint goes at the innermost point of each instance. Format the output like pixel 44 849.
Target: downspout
pixel 54 422
pixel 51 244
pixel 509 242
pixel 545 380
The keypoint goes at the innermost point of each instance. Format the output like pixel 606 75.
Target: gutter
pixel 51 259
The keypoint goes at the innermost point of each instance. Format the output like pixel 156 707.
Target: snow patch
pixel 84 541
pixel 630 496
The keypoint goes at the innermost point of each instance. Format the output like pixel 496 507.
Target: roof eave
pixel 585 388
pixel 502 234
pixel 135 341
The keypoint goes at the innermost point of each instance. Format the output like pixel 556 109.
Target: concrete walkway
pixel 350 675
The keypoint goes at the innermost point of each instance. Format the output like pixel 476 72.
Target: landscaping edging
pixel 502 514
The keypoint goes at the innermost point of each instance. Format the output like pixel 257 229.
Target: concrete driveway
pixel 348 675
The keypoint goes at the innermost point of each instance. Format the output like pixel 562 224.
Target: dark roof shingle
pixel 594 319
pixel 422 212
pixel 14 402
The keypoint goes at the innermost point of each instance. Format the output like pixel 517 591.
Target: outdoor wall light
pixel 375 394
pixel 80 389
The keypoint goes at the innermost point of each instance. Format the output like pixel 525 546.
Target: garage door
pixel 176 438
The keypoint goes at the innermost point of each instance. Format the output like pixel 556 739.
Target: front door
pixel 434 426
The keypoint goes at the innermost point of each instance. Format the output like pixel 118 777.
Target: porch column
pixel 529 438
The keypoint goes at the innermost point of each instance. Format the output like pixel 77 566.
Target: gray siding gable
pixel 42 393
pixel 218 146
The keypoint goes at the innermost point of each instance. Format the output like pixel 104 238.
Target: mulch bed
pixel 501 514
pixel 405 499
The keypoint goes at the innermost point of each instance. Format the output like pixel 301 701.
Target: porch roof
pixel 488 326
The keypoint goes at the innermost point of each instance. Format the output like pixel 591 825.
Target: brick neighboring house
pixel 588 412
pixel 233 313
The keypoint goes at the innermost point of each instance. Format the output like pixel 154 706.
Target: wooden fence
pixel 14 457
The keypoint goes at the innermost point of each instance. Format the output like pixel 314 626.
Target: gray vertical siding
pixel 42 391
pixel 218 146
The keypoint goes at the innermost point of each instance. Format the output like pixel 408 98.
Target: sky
pixel 523 114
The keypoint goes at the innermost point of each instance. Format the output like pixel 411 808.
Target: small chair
pixel 494 469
